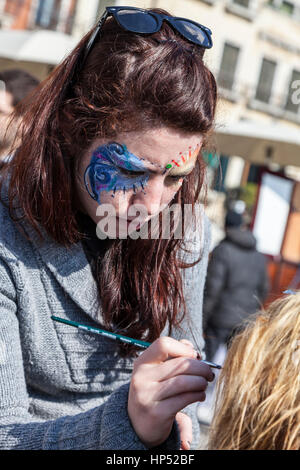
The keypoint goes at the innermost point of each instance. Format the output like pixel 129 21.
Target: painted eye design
pixel 115 147
pixel 113 168
pixel 102 176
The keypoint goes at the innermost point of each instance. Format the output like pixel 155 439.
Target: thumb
pixel 184 423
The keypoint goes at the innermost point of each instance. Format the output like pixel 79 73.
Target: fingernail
pixel 185 445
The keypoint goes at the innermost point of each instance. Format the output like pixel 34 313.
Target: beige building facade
pixel 258 30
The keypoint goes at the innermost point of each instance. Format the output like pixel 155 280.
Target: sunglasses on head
pixel 142 21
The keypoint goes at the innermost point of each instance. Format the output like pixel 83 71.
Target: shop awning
pixel 260 143
pixel 42 46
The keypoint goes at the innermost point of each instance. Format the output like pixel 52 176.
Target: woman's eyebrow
pixel 159 168
pixel 184 168
pixel 174 171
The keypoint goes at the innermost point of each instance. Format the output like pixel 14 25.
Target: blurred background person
pixel 236 284
pixel 15 85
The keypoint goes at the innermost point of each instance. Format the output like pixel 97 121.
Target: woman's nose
pixel 152 197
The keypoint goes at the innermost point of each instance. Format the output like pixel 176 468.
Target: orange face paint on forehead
pixel 184 163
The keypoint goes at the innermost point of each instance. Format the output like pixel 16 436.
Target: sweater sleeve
pixel 105 427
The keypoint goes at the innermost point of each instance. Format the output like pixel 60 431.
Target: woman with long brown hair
pixel 258 393
pixel 121 123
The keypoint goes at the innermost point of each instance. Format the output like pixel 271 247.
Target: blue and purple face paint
pixel 114 168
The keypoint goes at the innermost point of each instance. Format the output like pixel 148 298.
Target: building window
pixel 244 8
pixel 47 13
pixel 265 82
pixel 55 15
pixel 210 2
pixel 219 182
pixel 228 66
pixel 243 3
pixel 292 104
pixel 285 6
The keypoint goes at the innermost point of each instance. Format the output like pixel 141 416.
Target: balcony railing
pixel 245 94
pixel 209 2
pixel 248 13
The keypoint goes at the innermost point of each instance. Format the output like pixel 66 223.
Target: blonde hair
pixel 258 392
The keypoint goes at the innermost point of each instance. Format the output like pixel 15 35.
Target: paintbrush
pixel 122 338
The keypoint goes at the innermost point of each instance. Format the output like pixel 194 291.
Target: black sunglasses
pixel 142 21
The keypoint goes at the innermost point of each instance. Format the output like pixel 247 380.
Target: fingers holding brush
pixel 166 378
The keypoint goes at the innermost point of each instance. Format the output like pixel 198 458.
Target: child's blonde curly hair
pixel 258 393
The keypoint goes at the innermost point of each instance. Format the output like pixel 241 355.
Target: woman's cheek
pixel 170 195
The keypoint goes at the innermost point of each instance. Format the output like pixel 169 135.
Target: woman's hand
pixel 166 378
pixel 185 427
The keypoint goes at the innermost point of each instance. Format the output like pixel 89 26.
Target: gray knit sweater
pixel 61 389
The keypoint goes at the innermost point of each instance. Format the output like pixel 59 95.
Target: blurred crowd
pixel 15 85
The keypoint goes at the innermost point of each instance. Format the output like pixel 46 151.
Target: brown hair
pixel 128 82
pixel 258 393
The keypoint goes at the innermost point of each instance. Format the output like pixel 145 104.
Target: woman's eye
pixel 130 173
pixel 176 178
